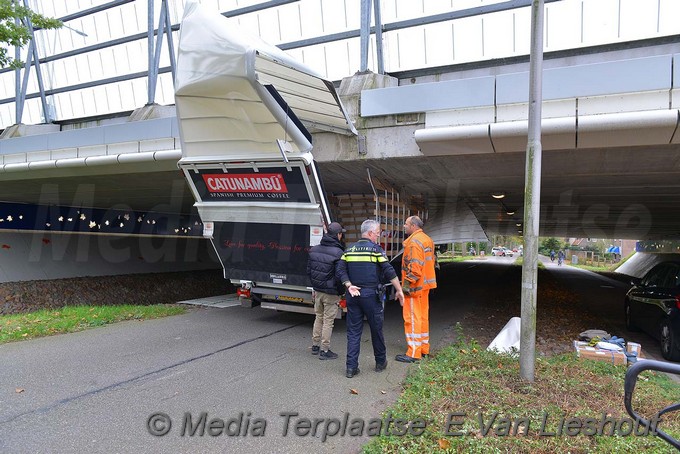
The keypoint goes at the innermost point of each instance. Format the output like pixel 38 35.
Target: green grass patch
pixel 476 385
pixel 457 258
pixel 596 269
pixel 70 319
pixel 520 262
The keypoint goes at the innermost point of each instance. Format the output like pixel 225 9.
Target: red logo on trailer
pixel 248 182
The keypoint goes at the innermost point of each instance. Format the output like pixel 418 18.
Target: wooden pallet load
pixel 387 207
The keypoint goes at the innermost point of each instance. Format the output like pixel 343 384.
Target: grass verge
pixel 596 269
pixel 520 262
pixel 70 319
pixel 457 258
pixel 477 384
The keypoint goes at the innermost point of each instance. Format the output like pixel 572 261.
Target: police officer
pixel 362 269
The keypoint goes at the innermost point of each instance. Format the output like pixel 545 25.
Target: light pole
pixel 532 197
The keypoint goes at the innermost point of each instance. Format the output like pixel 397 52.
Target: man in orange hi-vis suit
pixel 418 277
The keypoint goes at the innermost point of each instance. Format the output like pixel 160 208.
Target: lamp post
pixel 532 197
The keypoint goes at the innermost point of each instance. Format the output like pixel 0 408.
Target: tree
pixel 514 241
pixel 15 30
pixel 551 243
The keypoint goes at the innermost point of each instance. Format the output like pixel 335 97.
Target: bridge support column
pixel 351 87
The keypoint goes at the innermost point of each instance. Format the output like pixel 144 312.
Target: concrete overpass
pixel 610 140
pixel 455 135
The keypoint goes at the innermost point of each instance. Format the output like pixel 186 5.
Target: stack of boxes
pixel 629 355
pixel 351 210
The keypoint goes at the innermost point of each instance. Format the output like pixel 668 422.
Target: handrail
pixel 629 388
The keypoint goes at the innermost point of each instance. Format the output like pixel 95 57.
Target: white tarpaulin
pixel 507 340
pixel 237 95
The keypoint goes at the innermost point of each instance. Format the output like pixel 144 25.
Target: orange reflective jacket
pixel 417 265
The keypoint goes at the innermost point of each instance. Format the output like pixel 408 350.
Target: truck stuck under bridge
pixel 242 107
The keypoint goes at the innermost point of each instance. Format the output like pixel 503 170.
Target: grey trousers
pixel 325 307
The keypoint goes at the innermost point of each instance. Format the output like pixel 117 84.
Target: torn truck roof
pixel 238 95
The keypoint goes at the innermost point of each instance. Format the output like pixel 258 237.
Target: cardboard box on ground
pixel 583 350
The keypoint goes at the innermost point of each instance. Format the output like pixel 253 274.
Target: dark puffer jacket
pixel 321 265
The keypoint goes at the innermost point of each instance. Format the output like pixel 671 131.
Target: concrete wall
pixel 41 256
pixel 641 262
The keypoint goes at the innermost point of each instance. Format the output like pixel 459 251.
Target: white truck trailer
pixel 244 110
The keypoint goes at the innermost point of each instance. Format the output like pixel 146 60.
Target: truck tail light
pixel 244 292
pixel 677 301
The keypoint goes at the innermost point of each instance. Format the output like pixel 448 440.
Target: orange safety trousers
pixel 417 323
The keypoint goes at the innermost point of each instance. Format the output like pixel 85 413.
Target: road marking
pixel 607 286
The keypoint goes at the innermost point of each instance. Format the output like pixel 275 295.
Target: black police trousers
pixel 368 305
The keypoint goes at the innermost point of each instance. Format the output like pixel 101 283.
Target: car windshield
pixel 655 278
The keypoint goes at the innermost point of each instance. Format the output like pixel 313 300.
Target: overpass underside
pixel 610 140
pixel 626 192
pixel 623 192
pixel 452 139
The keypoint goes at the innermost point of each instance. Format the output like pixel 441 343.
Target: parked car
pixel 653 305
pixel 497 251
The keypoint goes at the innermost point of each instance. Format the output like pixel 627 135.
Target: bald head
pixel 412 224
pixel 415 220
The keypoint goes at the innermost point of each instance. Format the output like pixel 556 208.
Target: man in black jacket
pixel 321 270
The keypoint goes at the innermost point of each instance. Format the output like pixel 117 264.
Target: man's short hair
pixel 368 225
pixel 415 220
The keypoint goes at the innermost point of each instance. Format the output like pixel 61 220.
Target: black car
pixel 653 305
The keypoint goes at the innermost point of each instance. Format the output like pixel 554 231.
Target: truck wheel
pixel 670 347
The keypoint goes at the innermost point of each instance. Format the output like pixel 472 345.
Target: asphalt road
pixel 604 298
pixel 94 391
